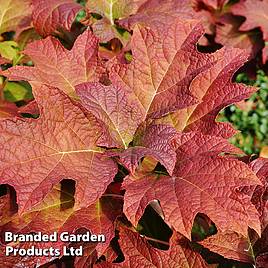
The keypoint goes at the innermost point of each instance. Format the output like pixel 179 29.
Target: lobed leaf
pixel 165 61
pixel 207 183
pixel 230 245
pixel 54 63
pixel 49 217
pixel 159 13
pixel 62 143
pixel 138 251
pixel 155 141
pixel 113 106
pixel 255 13
pixel 214 83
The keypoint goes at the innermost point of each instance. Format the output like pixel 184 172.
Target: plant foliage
pixel 108 120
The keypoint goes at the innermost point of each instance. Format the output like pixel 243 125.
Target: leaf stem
pixel 113 195
pixel 155 240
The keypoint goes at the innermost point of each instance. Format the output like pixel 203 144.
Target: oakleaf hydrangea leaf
pixel 49 15
pixel 37 154
pixel 54 64
pixel 138 251
pixel 207 183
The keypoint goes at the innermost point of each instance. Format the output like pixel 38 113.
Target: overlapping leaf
pixel 54 65
pixel 49 217
pixel 231 246
pixel 114 9
pixel 138 252
pixel 250 248
pixel 122 115
pixel 165 61
pixel 255 13
pixel 215 84
pixel 154 141
pixel 49 15
pixel 204 181
pixel 36 154
pixel 156 108
pixel 105 28
pixel 227 33
pixel 8 109
pixel 114 107
pixel 159 13
pixel 259 196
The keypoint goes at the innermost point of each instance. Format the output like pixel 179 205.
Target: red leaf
pixel 8 110
pixel 29 108
pixel 36 154
pixel 139 253
pixel 255 12
pixel 259 196
pixel 155 142
pixel 49 217
pixel 262 261
pixel 159 13
pixel 228 34
pixel 49 15
pixel 214 83
pixel 114 107
pixel 202 145
pixel 165 61
pixel 54 64
pixel 199 178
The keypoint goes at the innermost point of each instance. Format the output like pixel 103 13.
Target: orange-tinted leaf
pixel 264 152
pixel 49 217
pixel 104 30
pixel 54 65
pixel 12 12
pixel 114 9
pixel 214 83
pixel 230 245
pixel 159 13
pixel 165 61
pixel 207 183
pixel 36 154
pixel 29 262
pixel 228 34
pixel 139 253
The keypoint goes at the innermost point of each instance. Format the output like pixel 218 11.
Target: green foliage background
pixel 252 120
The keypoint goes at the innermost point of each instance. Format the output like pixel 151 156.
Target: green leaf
pixel 10 50
pixel 14 91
